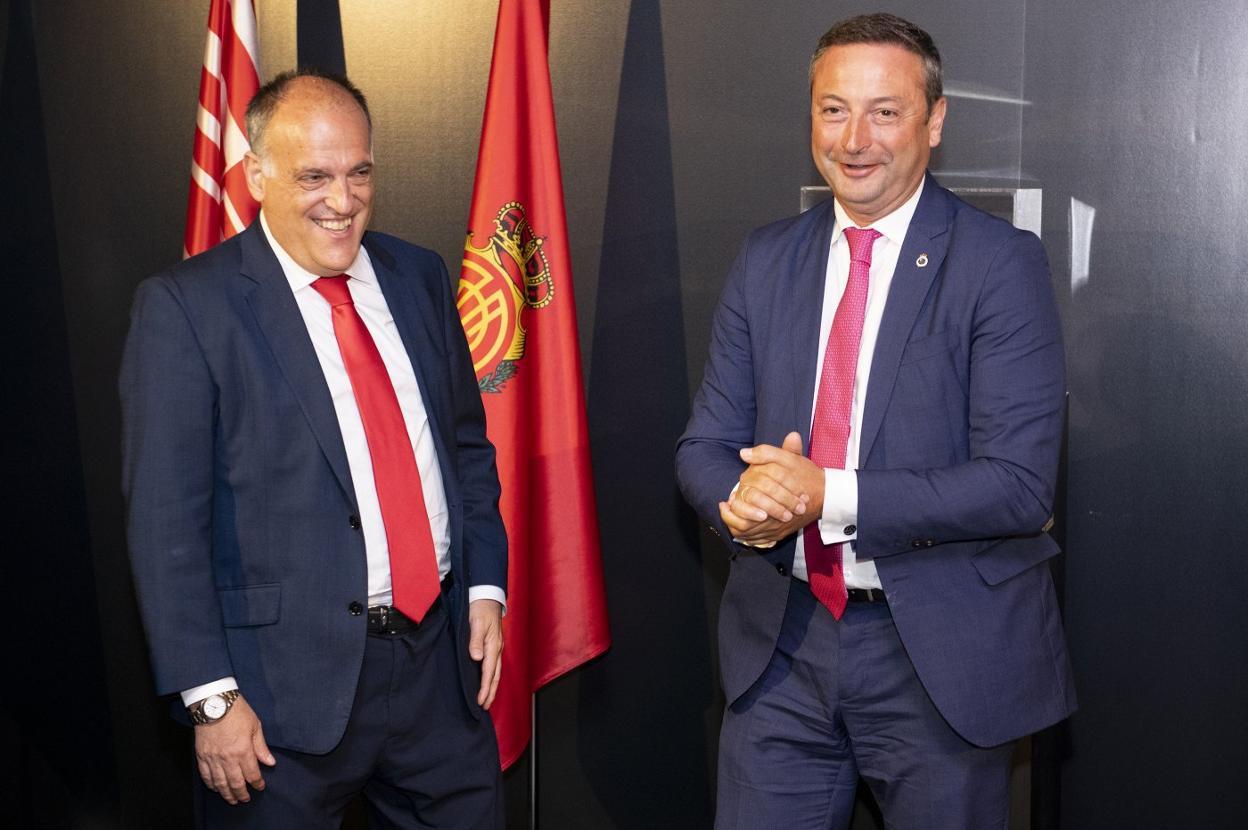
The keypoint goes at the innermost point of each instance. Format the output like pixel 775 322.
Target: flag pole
pixel 533 761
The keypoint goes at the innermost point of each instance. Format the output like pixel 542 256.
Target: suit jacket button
pixel 783 571
pixel 917 543
pixel 354 521
pixel 356 609
pixel 850 530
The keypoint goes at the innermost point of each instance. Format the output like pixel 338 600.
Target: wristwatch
pixel 212 708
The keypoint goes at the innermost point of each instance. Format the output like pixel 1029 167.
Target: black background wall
pixel 683 125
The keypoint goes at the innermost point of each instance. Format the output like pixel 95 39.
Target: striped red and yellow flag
pixel 220 205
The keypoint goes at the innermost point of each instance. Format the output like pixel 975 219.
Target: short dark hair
pixel 264 103
pixel 882 27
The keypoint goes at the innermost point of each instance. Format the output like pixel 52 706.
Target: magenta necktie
pixel 829 432
pixel 413 559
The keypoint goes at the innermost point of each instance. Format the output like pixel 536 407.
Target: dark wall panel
pixel 52 632
pixel 119 118
pixel 656 681
pixel 1138 113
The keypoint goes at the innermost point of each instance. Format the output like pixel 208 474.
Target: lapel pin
pixel 921 261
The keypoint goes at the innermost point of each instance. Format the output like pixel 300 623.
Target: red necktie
pixel 829 432
pixel 413 560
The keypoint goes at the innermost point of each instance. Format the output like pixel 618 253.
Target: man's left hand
pixel 485 645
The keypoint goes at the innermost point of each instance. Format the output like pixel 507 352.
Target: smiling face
pixel 870 130
pixel 313 176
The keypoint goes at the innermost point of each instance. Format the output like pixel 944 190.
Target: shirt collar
pixel 361 269
pixel 893 226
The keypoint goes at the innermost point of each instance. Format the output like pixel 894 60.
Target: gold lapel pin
pixel 921 261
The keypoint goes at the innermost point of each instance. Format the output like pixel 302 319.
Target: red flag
pixel 220 204
pixel 515 301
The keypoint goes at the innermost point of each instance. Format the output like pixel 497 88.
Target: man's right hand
pixel 228 752
pixel 770 501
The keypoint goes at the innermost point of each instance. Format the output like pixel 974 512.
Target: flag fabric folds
pixel 515 301
pixel 220 205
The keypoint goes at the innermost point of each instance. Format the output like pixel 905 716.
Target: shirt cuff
pixel 839 522
pixel 216 687
pixel 476 592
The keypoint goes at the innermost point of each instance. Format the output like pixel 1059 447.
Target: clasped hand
pixel 780 492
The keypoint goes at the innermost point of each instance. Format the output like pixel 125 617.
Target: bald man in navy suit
pixel 262 440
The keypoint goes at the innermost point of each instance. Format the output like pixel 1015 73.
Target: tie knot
pixel 334 289
pixel 860 241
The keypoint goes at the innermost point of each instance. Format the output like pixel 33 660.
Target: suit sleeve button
pixel 356 609
pixel 354 521
pixel 929 542
pixel 850 530
pixel 916 543
pixel 783 571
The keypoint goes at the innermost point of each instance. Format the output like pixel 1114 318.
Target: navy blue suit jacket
pixel 242 526
pixel 961 432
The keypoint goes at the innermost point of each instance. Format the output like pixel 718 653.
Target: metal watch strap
pixel 196 709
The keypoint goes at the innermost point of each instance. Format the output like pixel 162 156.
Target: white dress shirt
pixel 840 494
pixel 371 305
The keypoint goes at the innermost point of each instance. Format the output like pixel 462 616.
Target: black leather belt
pixel 388 620
pixel 862 595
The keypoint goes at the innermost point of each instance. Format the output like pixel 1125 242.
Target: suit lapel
pixel 282 327
pixel 927 241
pixel 810 268
pixel 410 317
pixel 412 313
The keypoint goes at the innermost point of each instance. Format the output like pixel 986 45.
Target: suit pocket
pixel 1010 557
pixel 927 346
pixel 250 605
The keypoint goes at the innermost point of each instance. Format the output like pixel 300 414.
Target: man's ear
pixel 254 170
pixel 935 122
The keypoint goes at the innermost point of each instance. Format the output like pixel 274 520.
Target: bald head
pixel 311 168
pixel 306 89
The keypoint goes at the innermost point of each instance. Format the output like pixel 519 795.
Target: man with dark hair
pixel 876 440
pixel 313 504
pixel 887 29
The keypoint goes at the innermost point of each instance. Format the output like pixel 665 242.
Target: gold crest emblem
pixel 499 280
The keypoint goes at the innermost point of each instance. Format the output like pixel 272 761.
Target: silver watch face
pixel 214 707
